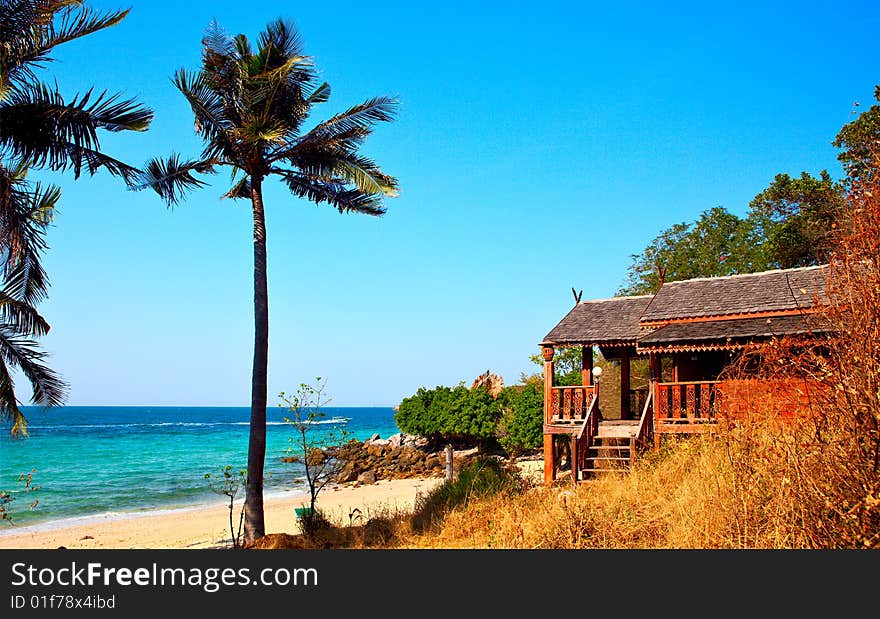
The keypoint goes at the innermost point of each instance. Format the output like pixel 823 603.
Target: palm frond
pixel 366 175
pixel 30 33
pixel 173 178
pixel 331 159
pixel 9 410
pixel 332 191
pixel 21 317
pixel 25 354
pixel 343 133
pixel 38 126
pixel 281 40
pixel 321 94
pixel 216 41
pixel 239 190
pixel 25 213
pixel 361 116
pixel 206 104
pixel 79 21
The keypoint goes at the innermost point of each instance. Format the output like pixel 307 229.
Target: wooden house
pixel 689 332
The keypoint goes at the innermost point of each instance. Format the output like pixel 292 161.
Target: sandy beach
pixel 207 526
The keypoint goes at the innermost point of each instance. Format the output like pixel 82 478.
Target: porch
pixel 576 430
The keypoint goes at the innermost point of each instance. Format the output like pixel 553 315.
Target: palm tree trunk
pixel 254 526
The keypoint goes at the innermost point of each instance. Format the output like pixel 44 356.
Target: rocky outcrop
pixel 400 456
pixel 491 382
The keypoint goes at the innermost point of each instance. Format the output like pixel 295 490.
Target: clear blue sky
pixel 538 146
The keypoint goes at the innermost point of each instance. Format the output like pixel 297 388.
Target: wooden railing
pixel 637 399
pixel 645 433
pixel 570 404
pixel 583 440
pixel 686 406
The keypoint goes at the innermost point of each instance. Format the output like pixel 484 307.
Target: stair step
pixel 610 447
pixel 607 458
pixel 618 470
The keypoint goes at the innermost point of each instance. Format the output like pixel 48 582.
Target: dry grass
pixel 752 485
pixel 700 492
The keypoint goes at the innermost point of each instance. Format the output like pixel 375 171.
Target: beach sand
pixel 208 526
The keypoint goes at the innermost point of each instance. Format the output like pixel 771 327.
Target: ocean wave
pixel 183 424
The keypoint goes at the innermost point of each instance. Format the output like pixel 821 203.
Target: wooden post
pixel 549 462
pixel 656 376
pixel 549 455
pixel 547 352
pixel 586 365
pixel 625 413
pixel 449 469
pixel 575 465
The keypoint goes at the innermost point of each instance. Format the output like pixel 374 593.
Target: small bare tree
pixel 228 483
pixel 315 450
pixel 8 497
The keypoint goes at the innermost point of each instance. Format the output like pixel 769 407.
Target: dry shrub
pixel 830 456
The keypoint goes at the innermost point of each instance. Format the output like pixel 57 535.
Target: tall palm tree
pixel 39 128
pixel 250 106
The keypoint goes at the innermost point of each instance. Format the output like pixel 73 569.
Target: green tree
pixel 250 105
pixel 521 425
pixel 859 142
pixel 42 129
pixel 448 413
pixel 412 414
pixel 795 218
pixel 566 366
pixel 718 243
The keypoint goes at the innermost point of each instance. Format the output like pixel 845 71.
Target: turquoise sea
pixel 93 460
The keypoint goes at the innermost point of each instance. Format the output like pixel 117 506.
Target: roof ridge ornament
pixel 577 295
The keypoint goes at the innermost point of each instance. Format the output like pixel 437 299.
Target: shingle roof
pixel 787 289
pixel 601 321
pixel 738 329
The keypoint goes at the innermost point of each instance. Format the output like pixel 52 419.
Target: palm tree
pixel 39 128
pixel 250 106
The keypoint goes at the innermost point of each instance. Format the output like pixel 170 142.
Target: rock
pixel 316 457
pixel 375 437
pixel 395 440
pixel 348 473
pixel 367 477
pixel 382 442
pixel 413 440
pixel 432 462
pixel 491 382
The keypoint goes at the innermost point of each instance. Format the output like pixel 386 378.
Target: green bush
pixel 522 422
pixel 481 477
pixel 449 413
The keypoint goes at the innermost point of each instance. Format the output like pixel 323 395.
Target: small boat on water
pixel 331 420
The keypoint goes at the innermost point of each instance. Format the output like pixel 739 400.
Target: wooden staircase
pixel 611 449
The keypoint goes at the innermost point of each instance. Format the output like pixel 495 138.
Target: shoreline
pixel 65 522
pixel 206 525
